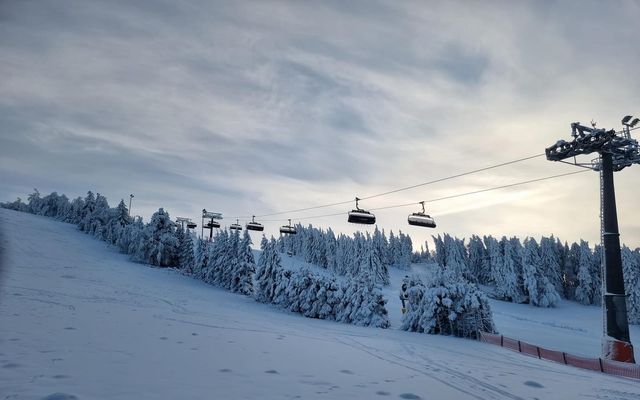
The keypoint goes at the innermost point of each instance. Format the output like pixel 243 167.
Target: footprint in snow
pixel 410 396
pixel 271 371
pixel 11 365
pixel 346 371
pixel 70 328
pixel 533 384
pixel 225 370
pixel 163 338
pixel 382 393
pixel 60 396
pixel 60 376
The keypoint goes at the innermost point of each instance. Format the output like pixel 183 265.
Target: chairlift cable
pixel 400 189
pixel 442 198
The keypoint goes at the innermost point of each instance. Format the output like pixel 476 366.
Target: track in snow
pixel 79 318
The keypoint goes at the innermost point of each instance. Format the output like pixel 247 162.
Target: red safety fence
pixel 595 364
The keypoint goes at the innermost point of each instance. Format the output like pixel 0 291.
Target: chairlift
pixel 212 224
pixel 181 222
pixel 421 219
pixel 288 229
pixel 254 226
pixel 360 216
pixel 236 226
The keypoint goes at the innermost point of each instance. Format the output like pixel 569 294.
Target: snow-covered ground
pixel 80 319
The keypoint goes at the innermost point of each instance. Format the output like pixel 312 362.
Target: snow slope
pixel 78 318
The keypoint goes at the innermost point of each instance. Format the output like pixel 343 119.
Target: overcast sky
pixel 257 107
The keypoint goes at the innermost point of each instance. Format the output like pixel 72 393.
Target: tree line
pixel 227 261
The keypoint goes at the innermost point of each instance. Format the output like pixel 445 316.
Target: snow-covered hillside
pixel 80 319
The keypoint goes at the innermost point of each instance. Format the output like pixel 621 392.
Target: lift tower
pixel 212 224
pixel 617 150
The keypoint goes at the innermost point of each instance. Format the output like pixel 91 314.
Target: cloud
pixel 255 107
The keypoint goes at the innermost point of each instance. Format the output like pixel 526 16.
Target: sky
pixel 250 108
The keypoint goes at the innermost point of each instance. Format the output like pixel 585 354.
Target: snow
pixel 80 319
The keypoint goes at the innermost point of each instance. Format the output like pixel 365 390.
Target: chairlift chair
pixel 360 216
pixel 212 224
pixel 421 219
pixel 288 229
pixel 254 226
pixel 236 226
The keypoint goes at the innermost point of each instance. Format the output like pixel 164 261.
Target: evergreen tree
pixel 371 267
pixel 596 274
pixel 187 252
pixel 505 275
pixel 479 265
pixel 494 255
pixel 585 289
pixel 243 279
pixel 269 264
pixel 540 290
pixel 550 264
pixel 631 272
pixel 160 245
pixel 449 306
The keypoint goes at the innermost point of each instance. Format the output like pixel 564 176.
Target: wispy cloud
pixel 255 107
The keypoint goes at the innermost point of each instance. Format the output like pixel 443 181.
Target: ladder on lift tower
pixel 602 267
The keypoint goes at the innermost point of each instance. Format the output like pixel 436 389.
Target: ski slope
pixel 78 320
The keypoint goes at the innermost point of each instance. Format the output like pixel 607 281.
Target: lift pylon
pixel 617 150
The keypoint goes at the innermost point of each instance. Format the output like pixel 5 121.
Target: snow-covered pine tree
pixel 585 289
pixel 266 274
pixel 539 289
pixel 263 242
pixel 159 246
pixel 596 274
pixel 550 263
pixel 330 248
pixel 631 272
pixel 449 306
pixel 371 266
pixel 280 296
pixel 570 277
pixel 505 273
pixel 201 255
pixel 34 202
pixel 17 205
pixel 87 209
pixel 243 278
pixel 415 292
pixel 494 254
pixel 187 255
pixel 479 265
pixel 454 259
pixel 118 219
pixel 98 219
pixel 371 310
pixel 406 249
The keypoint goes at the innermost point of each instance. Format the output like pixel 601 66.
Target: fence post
pixel 538 350
pixel 519 347
pixel 601 367
pixel 501 341
pixel 564 357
